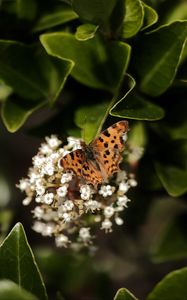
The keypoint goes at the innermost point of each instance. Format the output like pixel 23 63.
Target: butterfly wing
pixel 74 161
pixel 107 148
pixel 91 173
pixel 77 162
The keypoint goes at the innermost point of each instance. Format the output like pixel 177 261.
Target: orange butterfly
pixel 96 162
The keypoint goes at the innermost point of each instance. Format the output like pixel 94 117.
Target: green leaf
pixel 133 18
pixel 174 179
pixel 26 9
pixel 172 287
pixel 95 11
pixel 155 65
pixel 91 58
pixel 135 107
pixel 18 264
pixel 137 135
pixel 172 244
pixel 85 32
pixel 178 12
pixel 15 113
pixel 60 15
pixel 44 80
pixel 22 9
pixel 124 294
pixel 5 91
pixel 12 291
pixel 89 119
pixel 150 16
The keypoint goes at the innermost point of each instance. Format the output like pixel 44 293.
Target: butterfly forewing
pixel 108 146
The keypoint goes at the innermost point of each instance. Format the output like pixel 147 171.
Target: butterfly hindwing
pixel 74 161
pixel 91 173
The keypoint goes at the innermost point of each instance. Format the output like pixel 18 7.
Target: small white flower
pixel 119 221
pixel 62 191
pixel 66 177
pixel 23 184
pixel 33 176
pixel 86 192
pixel 38 199
pixel 73 143
pixel 66 217
pixel 53 141
pixel 45 149
pixel 121 176
pixel 84 234
pixel 27 201
pixel 122 201
pixel 40 190
pixel 48 198
pixel 38 212
pixel 106 190
pixel 48 229
pixel 92 205
pixel 62 240
pixel 132 182
pixel 109 211
pixel 48 168
pixel 38 226
pixel 38 161
pixel 68 205
pixel 106 225
pixel 123 187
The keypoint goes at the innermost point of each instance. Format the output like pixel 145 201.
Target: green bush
pixel 75 65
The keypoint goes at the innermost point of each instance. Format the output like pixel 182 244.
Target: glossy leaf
pixel 22 9
pixel 172 287
pixel 17 263
pixel 5 91
pixel 43 81
pixel 12 291
pixel 15 113
pixel 124 294
pixel 91 58
pixel 150 16
pixel 89 119
pixel 26 9
pixel 173 179
pixel 60 15
pixel 172 244
pixel 133 18
pixel 156 66
pixel 136 107
pixel 95 11
pixel 85 32
pixel 178 12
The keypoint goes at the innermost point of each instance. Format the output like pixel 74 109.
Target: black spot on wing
pixel 72 155
pixel 106 133
pixel 106 145
pixel 107 152
pixel 101 140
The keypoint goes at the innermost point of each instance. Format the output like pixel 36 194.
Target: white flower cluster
pixel 63 206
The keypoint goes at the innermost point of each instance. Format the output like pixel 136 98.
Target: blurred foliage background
pixel 69 67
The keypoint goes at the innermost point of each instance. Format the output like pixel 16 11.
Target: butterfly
pixel 99 160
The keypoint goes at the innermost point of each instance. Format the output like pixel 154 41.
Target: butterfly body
pixel 99 160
